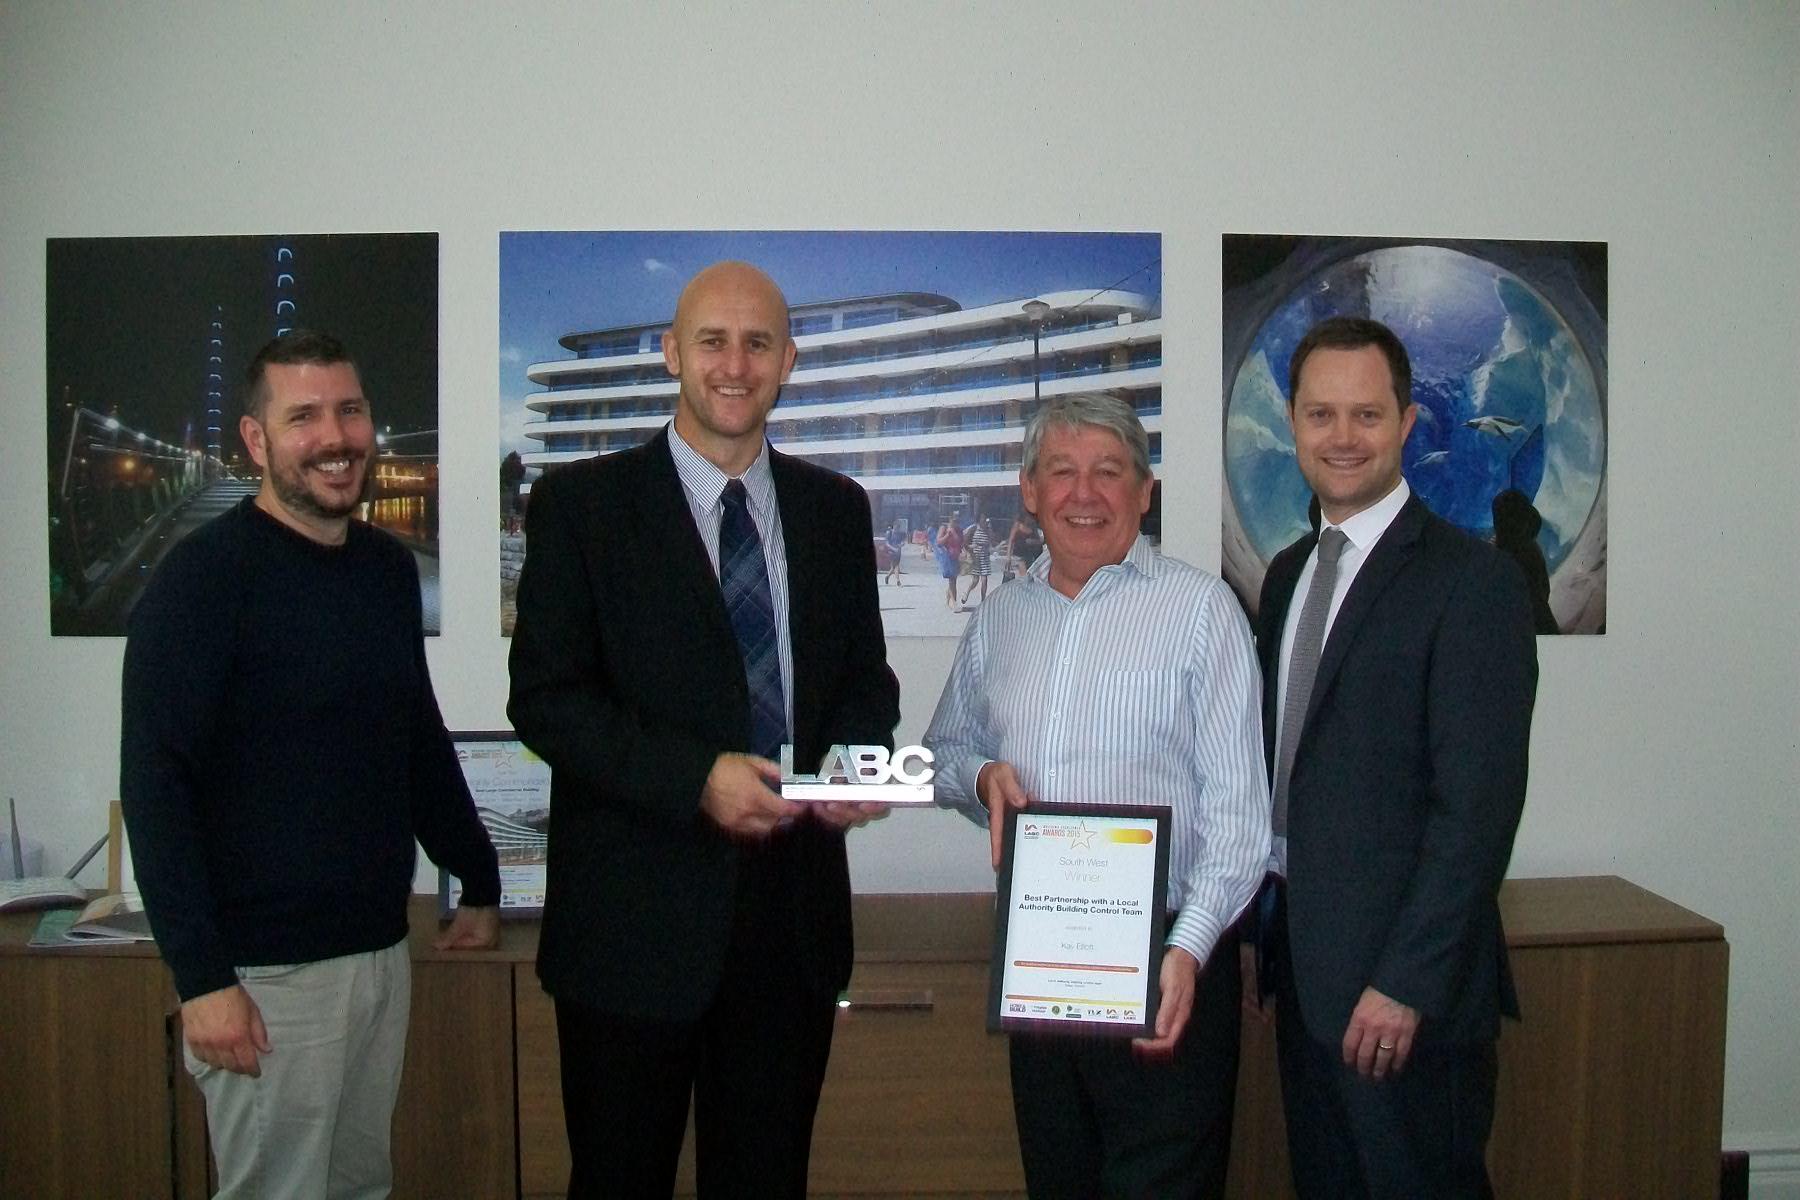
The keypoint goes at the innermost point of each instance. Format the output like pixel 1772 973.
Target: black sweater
pixel 281 748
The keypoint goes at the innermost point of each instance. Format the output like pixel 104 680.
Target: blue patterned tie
pixel 744 579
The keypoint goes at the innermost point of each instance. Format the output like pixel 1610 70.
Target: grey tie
pixel 1303 665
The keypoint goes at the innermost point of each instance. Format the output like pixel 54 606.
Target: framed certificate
pixel 1078 920
pixel 511 787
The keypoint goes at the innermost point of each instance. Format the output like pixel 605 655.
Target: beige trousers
pixel 316 1124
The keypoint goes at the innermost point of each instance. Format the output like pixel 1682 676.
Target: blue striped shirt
pixel 705 484
pixel 1143 689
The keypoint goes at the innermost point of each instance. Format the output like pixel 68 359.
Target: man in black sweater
pixel 281 749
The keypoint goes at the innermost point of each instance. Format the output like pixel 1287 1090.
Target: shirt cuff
pixel 1196 932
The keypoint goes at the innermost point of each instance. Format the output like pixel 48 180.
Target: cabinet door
pixel 916 1099
pixel 453 1123
pixel 1613 1084
pixel 543 1146
pixel 85 1108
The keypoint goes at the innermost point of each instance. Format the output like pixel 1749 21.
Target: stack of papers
pixel 113 919
pixel 39 891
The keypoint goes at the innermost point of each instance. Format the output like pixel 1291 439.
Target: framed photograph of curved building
pixel 1508 347
pixel 921 356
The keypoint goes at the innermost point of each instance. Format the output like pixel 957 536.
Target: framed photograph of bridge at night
pixel 1508 346
pixel 920 358
pixel 147 340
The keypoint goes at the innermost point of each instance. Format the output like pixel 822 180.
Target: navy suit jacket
pixel 627 680
pixel 1408 779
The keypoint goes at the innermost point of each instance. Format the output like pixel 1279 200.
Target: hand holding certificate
pixel 1079 920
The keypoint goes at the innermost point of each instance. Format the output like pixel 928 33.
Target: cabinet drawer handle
pixel 886 1000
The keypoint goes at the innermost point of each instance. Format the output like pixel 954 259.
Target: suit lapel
pixel 1384 562
pixel 800 543
pixel 1285 573
pixel 799 550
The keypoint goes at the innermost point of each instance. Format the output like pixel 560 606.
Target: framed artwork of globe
pixel 1508 347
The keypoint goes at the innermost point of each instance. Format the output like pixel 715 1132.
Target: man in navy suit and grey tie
pixel 686 607
pixel 1400 670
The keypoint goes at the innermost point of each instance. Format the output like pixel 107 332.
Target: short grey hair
pixel 1096 409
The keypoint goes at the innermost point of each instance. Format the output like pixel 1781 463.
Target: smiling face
pixel 1088 497
pixel 313 440
pixel 730 349
pixel 1348 429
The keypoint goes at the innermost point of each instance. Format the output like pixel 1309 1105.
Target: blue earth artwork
pixel 1508 376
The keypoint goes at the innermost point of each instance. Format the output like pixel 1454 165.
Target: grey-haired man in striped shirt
pixel 1111 674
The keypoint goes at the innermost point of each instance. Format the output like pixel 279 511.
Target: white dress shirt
pixel 1361 532
pixel 1143 689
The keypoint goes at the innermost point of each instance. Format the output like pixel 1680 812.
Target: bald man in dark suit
pixel 697 925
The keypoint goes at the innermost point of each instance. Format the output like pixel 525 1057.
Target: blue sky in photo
pixel 556 283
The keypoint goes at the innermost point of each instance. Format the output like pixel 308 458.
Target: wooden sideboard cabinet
pixel 97 1101
pixel 1612 1085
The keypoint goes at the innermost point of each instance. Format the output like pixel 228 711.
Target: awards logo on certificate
pixel 1079 920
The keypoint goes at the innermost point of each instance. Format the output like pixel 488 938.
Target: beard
pixel 292 490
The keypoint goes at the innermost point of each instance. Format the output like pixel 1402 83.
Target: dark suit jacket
pixel 627 679
pixel 1408 779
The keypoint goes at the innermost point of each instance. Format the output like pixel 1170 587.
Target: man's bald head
pixel 730 277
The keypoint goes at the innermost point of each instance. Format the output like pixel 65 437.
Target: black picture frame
pixel 1067 1015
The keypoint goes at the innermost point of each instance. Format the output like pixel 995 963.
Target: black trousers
pixel 1096 1121
pixel 753 1065
pixel 1422 1132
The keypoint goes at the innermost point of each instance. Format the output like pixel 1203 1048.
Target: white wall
pixel 1664 751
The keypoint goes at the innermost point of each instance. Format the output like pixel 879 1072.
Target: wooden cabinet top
pixel 957 927
pixel 1585 910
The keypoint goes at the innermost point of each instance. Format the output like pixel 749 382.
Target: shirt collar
pixel 1366 527
pixel 703 481
pixel 1141 557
